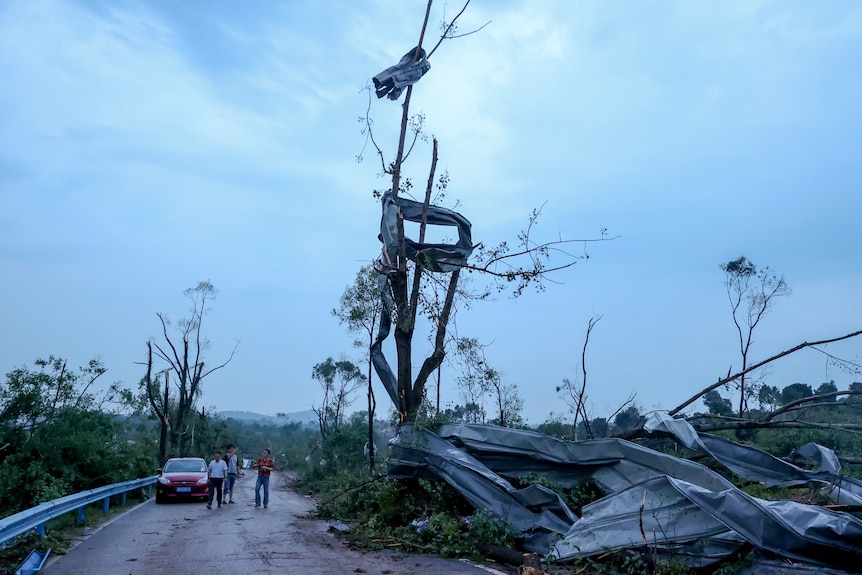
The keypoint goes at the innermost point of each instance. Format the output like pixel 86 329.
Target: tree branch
pixel 790 406
pixel 729 379
pixel 449 27
pixel 423 225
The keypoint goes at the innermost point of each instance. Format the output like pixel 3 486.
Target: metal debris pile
pixel 676 508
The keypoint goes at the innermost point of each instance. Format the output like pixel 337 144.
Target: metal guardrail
pixel 36 517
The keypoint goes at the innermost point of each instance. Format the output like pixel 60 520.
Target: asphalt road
pixel 187 538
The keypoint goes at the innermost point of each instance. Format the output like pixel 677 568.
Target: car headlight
pixel 203 480
pixel 164 480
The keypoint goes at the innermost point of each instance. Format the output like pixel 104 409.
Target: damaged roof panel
pixel 679 507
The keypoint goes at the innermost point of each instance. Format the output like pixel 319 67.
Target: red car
pixel 183 477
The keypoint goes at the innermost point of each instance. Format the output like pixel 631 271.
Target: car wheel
pixel 160 499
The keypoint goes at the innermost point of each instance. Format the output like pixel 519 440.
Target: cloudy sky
pixel 147 146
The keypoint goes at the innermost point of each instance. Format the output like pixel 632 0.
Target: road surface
pixel 187 538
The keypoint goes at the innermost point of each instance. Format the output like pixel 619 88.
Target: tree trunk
pixel 163 435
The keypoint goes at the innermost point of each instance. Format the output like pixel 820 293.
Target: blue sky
pixel 147 146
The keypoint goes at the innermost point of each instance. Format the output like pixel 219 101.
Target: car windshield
pixel 178 466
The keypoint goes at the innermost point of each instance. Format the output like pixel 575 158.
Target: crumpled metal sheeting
pixel 678 512
pixel 703 552
pixel 757 465
pixel 843 490
pixel 615 464
pixel 786 528
pixel 536 512
pixel 823 457
pixel 764 564
pixel 614 522
pixel 746 462
pixel 378 359
pixel 391 81
pixel 436 257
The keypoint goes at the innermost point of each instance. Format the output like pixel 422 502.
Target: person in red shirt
pixel 264 465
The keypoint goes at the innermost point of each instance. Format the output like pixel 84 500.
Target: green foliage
pixel 734 564
pixel 338 380
pixel 716 404
pixel 56 441
pixel 575 497
pixel 556 427
pixel 673 567
pixel 827 387
pixel 635 563
pixel 459 536
pixel 795 391
pixel 628 418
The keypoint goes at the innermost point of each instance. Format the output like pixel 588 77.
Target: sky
pixel 146 146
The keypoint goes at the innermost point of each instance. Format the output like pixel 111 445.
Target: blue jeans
pixel 264 481
pixel 228 484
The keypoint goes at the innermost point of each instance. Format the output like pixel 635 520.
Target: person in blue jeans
pixel 264 465
pixel 232 471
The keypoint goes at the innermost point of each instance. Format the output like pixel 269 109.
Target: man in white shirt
pixel 216 472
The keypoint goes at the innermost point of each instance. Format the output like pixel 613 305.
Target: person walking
pixel 264 465
pixel 232 471
pixel 216 472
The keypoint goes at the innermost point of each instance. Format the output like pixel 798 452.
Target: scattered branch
pixel 728 379
pixel 799 403
pixel 449 27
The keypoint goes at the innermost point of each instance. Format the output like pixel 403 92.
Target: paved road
pixel 186 538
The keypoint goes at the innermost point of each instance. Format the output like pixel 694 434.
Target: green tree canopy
pixel 795 391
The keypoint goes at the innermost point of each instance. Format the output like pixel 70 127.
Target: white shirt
pixel 218 469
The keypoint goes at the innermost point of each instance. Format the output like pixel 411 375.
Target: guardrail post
pixel 80 520
pixel 40 529
pixel 149 490
pixel 123 499
pixel 107 506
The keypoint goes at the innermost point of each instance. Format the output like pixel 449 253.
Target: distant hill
pixel 304 417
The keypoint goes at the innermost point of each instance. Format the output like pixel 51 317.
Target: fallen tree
pixel 734 377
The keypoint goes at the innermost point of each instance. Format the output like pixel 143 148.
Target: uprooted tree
pixel 406 264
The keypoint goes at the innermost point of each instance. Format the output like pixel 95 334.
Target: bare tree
pixel 507 400
pixel 472 382
pixel 159 402
pixel 751 293
pixel 479 379
pixel 523 266
pixel 574 393
pixel 185 358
